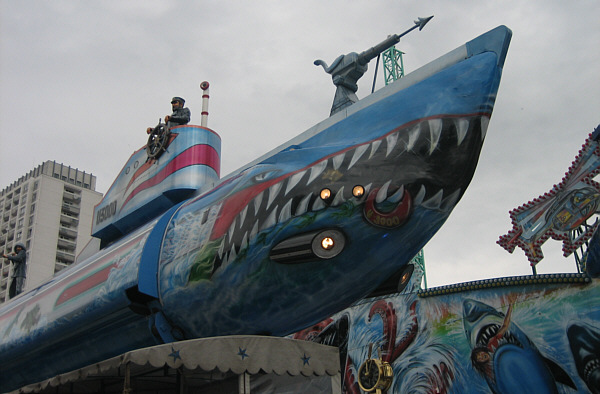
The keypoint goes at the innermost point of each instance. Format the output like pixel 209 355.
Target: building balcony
pixel 65 255
pixel 66 232
pixel 68 220
pixel 68 245
pixel 70 209
pixel 71 197
pixel 3 284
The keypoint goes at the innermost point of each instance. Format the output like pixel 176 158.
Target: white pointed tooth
pixel 316 170
pixel 232 255
pixel 357 154
pixel 396 197
pixel 338 160
pixel 253 232
pixel 318 204
pixel 339 197
pixel 374 147
pixel 257 201
pixel 243 216
pixel 368 189
pixel 382 193
pixel 420 195
pixel 485 121
pixel 303 206
pixel 221 248
pixel 273 192
pixel 391 140
pixel 413 135
pixel 435 131
pixel 226 259
pixel 286 212
pixel 270 221
pixel 244 243
pixel 293 181
pixel 231 230
pixel 435 201
pixel 462 126
pixel 449 202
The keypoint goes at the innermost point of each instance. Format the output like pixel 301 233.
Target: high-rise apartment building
pixel 50 211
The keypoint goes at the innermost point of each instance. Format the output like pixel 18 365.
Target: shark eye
pixel 263 176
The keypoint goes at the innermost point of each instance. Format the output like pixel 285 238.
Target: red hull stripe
pixel 85 284
pixel 195 155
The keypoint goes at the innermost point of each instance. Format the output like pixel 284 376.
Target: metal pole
pixel 205 96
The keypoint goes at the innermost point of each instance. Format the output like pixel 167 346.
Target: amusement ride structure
pixel 316 241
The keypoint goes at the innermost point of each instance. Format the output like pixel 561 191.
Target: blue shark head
pixel 380 200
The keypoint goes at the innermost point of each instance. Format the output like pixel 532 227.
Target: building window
pixel 19 234
pixel 35 185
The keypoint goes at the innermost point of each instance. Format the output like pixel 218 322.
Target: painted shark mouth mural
pixel 363 175
pixel 502 358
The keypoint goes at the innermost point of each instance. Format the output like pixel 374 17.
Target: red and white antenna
pixel 204 86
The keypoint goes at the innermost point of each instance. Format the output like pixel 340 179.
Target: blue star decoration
pixel 305 359
pixel 242 353
pixel 174 354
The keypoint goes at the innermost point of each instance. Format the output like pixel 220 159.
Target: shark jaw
pixel 426 164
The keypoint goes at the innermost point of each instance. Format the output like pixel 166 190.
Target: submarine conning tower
pixel 174 164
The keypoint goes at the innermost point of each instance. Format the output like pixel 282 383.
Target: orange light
pixel 325 194
pixel 358 191
pixel 327 243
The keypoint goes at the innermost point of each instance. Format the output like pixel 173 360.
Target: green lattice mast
pixel 393 65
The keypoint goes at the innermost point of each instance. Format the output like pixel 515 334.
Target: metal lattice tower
pixel 393 65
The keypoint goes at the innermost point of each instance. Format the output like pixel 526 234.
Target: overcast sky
pixel 81 80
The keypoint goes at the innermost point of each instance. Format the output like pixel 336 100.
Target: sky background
pixel 81 81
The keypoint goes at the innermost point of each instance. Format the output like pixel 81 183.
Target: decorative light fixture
pixel 358 191
pixel 325 194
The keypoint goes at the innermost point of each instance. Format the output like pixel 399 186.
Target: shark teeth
pixel 435 130
pixel 338 160
pixel 357 154
pixel 297 194
pixel 293 181
pixel 374 146
pixel 382 193
pixel 317 170
pixel 462 126
pixel 391 140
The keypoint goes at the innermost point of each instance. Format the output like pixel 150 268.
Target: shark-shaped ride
pixel 278 245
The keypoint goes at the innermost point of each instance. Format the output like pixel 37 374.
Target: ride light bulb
pixel 325 194
pixel 327 243
pixel 358 191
